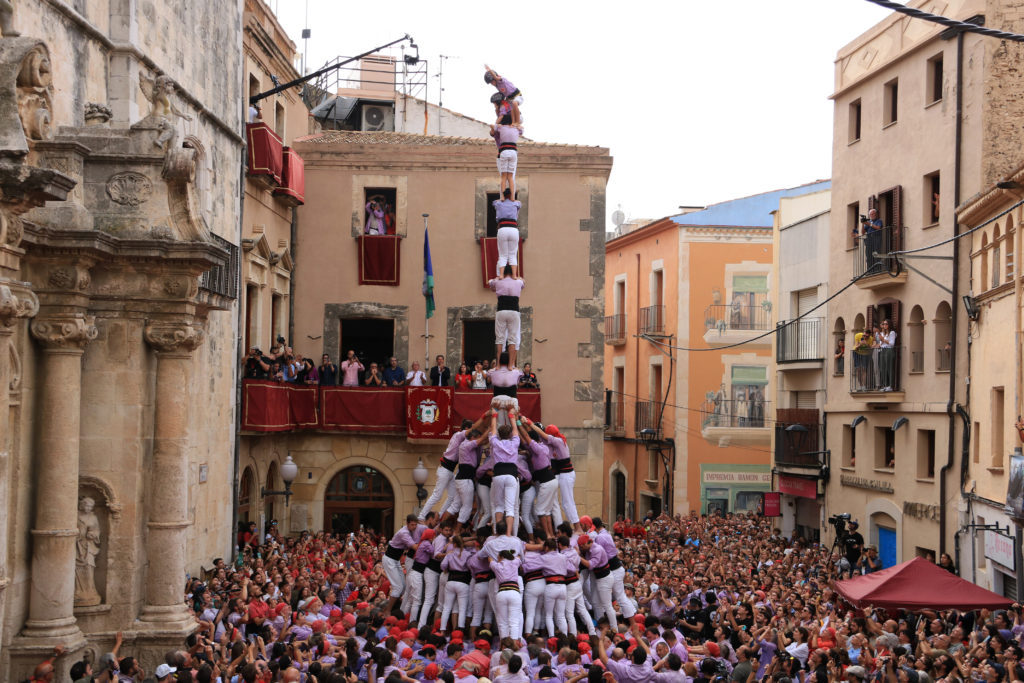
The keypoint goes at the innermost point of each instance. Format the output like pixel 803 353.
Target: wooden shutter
pixel 897 219
pixel 869 318
pixel 894 321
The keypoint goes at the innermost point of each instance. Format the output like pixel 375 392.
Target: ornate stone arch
pixel 100 485
pixel 403 502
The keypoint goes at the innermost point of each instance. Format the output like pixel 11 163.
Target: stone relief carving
pixel 159 92
pixel 87 547
pixel 7 19
pixel 65 332
pixel 174 336
pixel 129 188
pixel 11 229
pixel 173 287
pixel 16 302
pixel 14 367
pixel 35 94
pixel 97 114
pixel 61 278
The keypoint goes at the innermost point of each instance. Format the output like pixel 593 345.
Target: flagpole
pixel 426 318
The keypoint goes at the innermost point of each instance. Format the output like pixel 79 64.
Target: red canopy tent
pixel 918 584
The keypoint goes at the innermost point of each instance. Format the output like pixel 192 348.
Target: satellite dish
pixel 618 218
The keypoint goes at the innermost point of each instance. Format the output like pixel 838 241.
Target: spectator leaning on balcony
pixel 257 366
pixel 463 379
pixel 479 376
pixel 394 374
pixel 529 379
pixel 328 372
pixel 416 377
pixel 862 342
pixel 887 356
pixel 440 375
pixel 374 378
pixel 350 368
pixel 375 216
pixel 309 374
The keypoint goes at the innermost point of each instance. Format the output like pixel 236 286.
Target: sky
pixel 698 102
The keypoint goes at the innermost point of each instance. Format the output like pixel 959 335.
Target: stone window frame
pixel 492 184
pixel 335 313
pixel 454 337
pixel 401 185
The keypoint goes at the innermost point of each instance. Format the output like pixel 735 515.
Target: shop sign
pixel 798 486
pixel 999 548
pixel 719 477
pixel 772 506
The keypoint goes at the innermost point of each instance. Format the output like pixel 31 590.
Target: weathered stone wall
pixel 1003 109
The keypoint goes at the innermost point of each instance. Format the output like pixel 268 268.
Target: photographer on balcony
pixel 870 232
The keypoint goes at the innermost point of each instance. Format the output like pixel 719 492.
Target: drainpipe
pixel 291 279
pixel 636 393
pixel 239 351
pixel 951 404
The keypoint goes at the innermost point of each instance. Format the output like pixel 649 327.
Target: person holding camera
pixel 350 369
pixel 852 543
pixel 375 216
pixel 257 366
pixel 328 372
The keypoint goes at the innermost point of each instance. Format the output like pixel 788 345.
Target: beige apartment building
pixel 363 292
pixel 800 461
pixel 922 122
pixel 121 138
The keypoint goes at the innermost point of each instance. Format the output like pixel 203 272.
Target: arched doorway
pixel 246 490
pixel 359 497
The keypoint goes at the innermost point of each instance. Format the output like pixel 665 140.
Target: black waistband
pixel 448 464
pixel 504 468
pixel 505 391
pixel 461 577
pixel 555 578
pixel 466 471
pixel 419 566
pixel 393 552
pixel 508 223
pixel 515 93
pixel 562 466
pixel 484 576
pixel 572 578
pixel 602 572
pixel 508 303
pixel 485 480
pixel 614 563
pixel 543 476
pixel 508 586
pixel 534 575
pixel 434 565
pixel 507 145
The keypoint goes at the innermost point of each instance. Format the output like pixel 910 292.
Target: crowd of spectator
pixel 719 599
pixel 282 364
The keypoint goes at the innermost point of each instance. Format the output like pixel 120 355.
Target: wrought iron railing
pixel 740 414
pixel 800 340
pixel 876 370
pixel 615 329
pixel 652 320
pixel 729 317
pixel 222 279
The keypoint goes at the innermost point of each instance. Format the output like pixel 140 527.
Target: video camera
pixel 839 522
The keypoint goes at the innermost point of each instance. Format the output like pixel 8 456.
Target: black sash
pixel 485 480
pixel 543 476
pixel 507 302
pixel 419 566
pixel 505 391
pixel 533 576
pixel 503 468
pixel 465 472
pixel 555 578
pixel 434 566
pixel 508 223
pixel 508 586
pixel 602 572
pixel 614 563
pixel 393 552
pixel 448 464
pixel 484 576
pixel 507 145
pixel 562 466
pixel 460 577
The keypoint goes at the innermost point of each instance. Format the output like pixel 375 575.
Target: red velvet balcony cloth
pixel 379 259
pixel 471 404
pixel 293 178
pixel 363 409
pixel 489 257
pixel 428 413
pixel 266 151
pixel 276 407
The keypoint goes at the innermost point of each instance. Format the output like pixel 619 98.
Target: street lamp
pixel 419 477
pixel 289 471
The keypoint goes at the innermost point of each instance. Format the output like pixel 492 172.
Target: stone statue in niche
pixel 87 547
pixel 159 92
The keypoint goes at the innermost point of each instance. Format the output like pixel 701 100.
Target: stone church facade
pixel 120 202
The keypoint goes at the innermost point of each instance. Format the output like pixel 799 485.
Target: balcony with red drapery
pixel 265 153
pixel 293 179
pixel 489 257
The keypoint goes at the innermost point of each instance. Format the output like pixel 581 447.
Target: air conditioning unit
pixel 378 117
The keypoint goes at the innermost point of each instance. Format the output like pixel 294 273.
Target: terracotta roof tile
pixel 333 137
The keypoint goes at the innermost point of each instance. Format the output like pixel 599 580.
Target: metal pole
pixel 426 320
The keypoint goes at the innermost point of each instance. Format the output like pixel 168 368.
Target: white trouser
pixel 430 580
pixel 455 590
pixel 534 594
pixel 587 579
pixel 482 612
pixel 566 486
pixel 508 247
pixel 508 607
pixel 554 608
pixel 574 605
pixel 407 595
pixel 464 490
pixel 619 592
pixel 546 498
pixel 395 575
pixel 507 328
pixel 504 494
pixel 526 511
pixel 443 485
pixel 484 515
pixel 414 589
pixel 602 600
pixel 556 515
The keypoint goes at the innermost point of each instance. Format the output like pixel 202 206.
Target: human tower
pixel 509 548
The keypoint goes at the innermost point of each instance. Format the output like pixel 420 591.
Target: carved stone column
pixel 167 493
pixel 63 337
